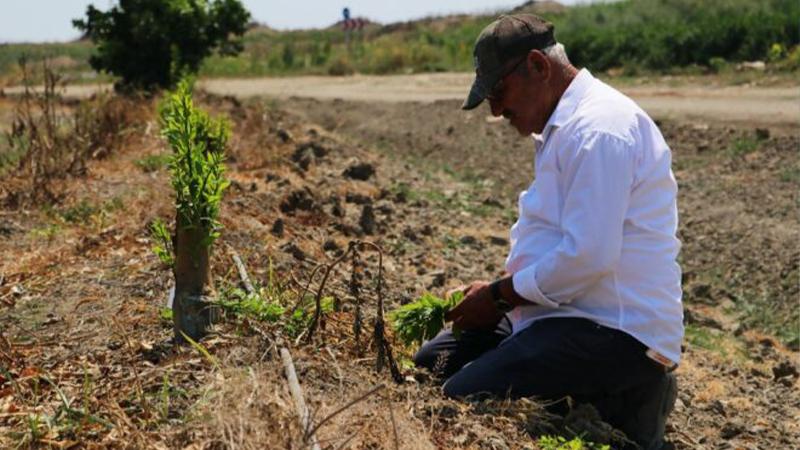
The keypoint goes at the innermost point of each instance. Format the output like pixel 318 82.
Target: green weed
pixel 270 304
pixel 202 350
pixel 238 303
pixel 162 243
pixel 704 338
pixel 86 212
pixel 165 314
pixel 80 213
pixel 47 232
pixel 152 163
pixel 790 175
pixel 561 443
pixel 742 146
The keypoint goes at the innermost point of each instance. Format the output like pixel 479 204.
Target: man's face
pixel 520 98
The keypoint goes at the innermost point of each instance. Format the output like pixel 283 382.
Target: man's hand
pixel 477 311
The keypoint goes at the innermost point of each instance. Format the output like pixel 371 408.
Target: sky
pixel 51 20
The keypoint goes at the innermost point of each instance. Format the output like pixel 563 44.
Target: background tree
pixel 151 43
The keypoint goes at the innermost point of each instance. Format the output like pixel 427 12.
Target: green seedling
pixel 162 246
pixel 197 172
pixel 422 319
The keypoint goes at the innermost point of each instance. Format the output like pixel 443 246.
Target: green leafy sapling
pixel 423 318
pixel 198 143
pixel 197 174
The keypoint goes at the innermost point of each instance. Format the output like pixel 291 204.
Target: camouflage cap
pixel 501 41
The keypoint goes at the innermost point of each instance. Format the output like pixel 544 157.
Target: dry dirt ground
pixel 88 362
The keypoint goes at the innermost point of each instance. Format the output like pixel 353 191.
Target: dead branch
pixel 345 407
pixel 318 311
pixel 394 427
pixel 305 290
pixel 248 286
pixel 384 349
pixel 297 395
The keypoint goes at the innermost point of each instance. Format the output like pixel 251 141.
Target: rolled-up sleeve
pixel 597 177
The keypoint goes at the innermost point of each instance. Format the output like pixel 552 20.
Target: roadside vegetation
pixel 625 37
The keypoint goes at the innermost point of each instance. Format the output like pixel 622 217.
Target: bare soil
pixel 88 363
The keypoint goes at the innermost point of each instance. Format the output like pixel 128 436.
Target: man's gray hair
pixel 557 53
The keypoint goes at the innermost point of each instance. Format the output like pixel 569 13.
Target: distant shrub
pixel 717 64
pixel 388 59
pixel 340 66
pixel 151 43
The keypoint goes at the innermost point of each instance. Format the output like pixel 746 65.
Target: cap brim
pixel 476 95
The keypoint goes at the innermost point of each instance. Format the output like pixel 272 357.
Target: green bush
pixel 152 43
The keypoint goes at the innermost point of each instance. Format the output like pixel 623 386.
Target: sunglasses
pixel 496 93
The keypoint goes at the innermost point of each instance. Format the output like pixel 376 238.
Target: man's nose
pixel 496 107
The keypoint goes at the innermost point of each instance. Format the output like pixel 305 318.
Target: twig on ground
pixel 346 406
pixel 394 426
pixel 335 365
pixel 248 286
pixel 355 291
pixel 350 438
pixel 297 395
pixel 305 290
pixel 318 311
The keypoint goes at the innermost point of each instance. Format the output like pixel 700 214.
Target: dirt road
pixel 774 106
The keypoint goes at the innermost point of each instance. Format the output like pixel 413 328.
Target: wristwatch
pixel 497 296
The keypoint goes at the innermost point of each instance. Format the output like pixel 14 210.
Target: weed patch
pixel 86 212
pixel 742 146
pixel 152 163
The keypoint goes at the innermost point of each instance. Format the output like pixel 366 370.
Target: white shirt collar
pixel 567 104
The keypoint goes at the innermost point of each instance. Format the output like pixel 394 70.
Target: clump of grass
pixel 152 163
pixel 742 146
pixel 253 305
pixel 269 304
pixel 422 319
pixel 85 212
pixel 790 175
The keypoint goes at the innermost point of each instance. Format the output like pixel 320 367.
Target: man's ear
pixel 538 63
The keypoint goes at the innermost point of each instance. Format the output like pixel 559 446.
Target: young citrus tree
pixel 197 171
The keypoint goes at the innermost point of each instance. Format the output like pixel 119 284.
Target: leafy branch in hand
pixel 423 318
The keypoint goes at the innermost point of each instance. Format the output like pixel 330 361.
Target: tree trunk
pixel 192 309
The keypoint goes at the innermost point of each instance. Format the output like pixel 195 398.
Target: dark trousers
pixel 550 359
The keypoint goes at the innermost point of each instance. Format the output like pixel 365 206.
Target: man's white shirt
pixel 596 235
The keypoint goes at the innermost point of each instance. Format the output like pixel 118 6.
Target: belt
pixel 662 361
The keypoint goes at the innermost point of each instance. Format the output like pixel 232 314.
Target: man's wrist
pixel 497 297
pixel 505 286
